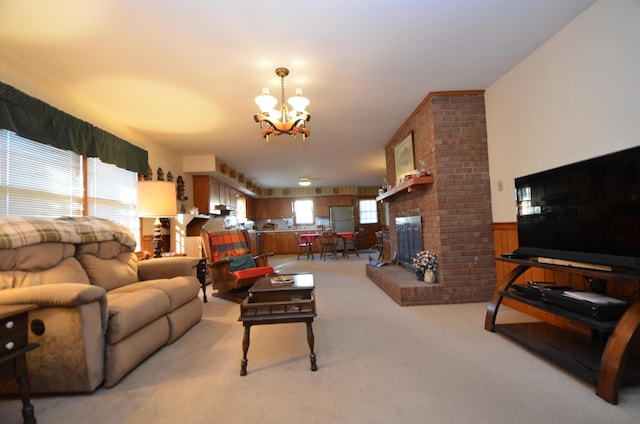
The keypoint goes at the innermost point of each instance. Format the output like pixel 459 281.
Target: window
pixel 37 179
pixel 40 180
pixel 111 193
pixel 368 211
pixel 303 210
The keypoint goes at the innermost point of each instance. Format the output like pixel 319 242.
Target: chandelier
pixel 282 120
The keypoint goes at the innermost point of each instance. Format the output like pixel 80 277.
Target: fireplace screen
pixel 409 239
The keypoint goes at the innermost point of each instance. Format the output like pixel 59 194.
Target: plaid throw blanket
pixel 24 231
pixel 91 229
pixel 227 243
pixel 18 231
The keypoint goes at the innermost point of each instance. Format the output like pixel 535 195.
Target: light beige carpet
pixel 378 363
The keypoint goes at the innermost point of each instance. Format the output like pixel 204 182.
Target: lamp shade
pixel 297 102
pixel 156 199
pixel 265 102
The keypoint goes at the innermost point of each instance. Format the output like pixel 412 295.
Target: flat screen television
pixel 587 211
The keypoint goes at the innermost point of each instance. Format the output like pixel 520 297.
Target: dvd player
pixel 533 289
pixel 587 303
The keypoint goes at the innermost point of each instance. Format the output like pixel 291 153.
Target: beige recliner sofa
pixel 103 311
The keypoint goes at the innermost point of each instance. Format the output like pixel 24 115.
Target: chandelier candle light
pixel 282 120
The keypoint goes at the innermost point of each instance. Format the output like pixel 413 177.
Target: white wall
pixel 21 76
pixel 576 97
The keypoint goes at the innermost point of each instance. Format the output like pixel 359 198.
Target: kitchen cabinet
pixel 282 242
pixel 209 192
pixel 251 209
pixel 273 208
pixel 278 242
pixel 286 208
pixel 206 193
pixel 345 200
pixel 264 208
pixel 322 204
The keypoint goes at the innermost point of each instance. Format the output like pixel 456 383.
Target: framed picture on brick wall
pixel 403 157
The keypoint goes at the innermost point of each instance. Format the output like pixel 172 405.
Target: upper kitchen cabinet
pixel 345 200
pixel 205 193
pixel 209 192
pixel 322 204
pixel 251 208
pixel 278 208
pixel 286 208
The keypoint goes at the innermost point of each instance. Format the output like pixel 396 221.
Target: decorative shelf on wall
pixel 409 186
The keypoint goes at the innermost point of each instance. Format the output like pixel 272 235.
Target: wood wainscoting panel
pixel 505 239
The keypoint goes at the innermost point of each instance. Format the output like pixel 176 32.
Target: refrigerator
pixel 341 219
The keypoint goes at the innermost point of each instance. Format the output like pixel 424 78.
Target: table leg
pixel 311 341
pixel 24 390
pixel 245 349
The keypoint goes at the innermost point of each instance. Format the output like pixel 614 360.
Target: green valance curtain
pixel 36 120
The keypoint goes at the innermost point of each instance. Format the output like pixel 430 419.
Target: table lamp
pixel 156 199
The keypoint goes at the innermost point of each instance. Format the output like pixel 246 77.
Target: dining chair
pixel 351 244
pixel 328 245
pixel 305 247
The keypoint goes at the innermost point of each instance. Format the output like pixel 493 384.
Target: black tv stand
pixel 601 359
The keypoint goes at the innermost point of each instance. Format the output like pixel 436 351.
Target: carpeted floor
pixel 378 363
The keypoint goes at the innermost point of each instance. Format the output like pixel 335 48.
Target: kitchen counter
pixel 290 230
pixel 283 241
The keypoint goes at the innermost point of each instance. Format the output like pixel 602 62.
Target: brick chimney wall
pixel 450 136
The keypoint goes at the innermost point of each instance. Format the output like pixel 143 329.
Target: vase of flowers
pixel 426 266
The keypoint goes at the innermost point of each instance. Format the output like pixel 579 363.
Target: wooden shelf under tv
pixel 602 359
pixel 408 186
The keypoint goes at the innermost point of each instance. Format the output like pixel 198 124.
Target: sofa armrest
pixel 58 295
pixel 52 295
pixel 176 266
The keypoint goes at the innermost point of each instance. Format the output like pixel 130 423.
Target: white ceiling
pixel 185 73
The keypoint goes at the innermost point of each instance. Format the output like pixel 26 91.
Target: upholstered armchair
pixel 230 264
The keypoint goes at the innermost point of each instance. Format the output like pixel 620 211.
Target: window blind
pixel 111 193
pixel 37 179
pixel 40 180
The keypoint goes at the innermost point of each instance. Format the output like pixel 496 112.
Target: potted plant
pixel 426 266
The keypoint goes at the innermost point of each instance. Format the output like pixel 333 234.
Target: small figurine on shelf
pixel 180 189
pixel 423 169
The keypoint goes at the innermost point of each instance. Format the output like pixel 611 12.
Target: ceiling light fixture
pixel 281 120
pixel 304 182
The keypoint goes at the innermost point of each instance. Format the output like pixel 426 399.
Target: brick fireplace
pixel 449 137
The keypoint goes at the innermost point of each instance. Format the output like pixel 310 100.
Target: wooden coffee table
pixel 271 302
